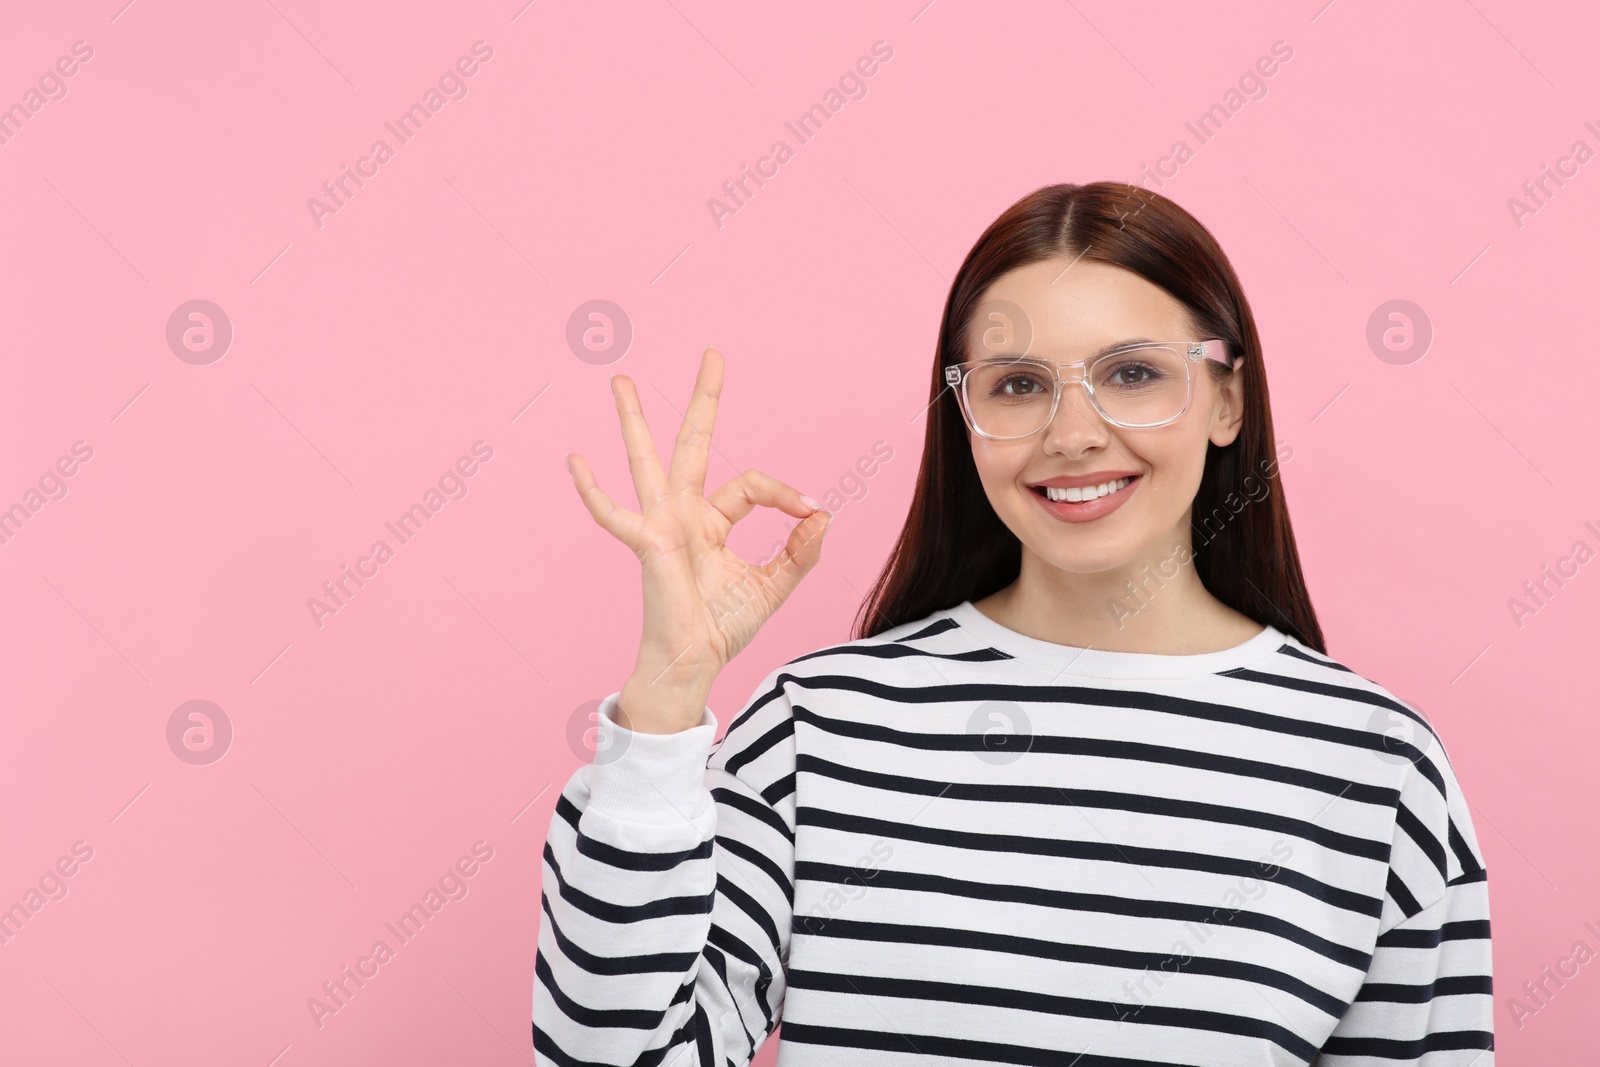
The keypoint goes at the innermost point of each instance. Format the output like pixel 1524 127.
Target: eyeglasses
pixel 1136 386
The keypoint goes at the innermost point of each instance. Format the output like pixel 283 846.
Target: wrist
pixel 661 706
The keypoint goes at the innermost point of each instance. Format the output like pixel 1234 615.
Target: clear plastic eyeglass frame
pixel 956 375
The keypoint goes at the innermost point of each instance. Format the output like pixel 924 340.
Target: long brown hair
pixel 954 547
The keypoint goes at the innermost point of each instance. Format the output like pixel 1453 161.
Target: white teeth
pixel 1086 493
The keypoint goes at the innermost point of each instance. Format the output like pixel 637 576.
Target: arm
pixel 1427 999
pixel 668 894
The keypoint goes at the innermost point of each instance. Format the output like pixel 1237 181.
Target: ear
pixel 1228 409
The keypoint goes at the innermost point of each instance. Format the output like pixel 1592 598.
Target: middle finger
pixel 643 462
pixel 693 447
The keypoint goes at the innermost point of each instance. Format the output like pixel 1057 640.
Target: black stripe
pixel 1422 994
pixel 624 913
pixel 1170 807
pixel 1311 657
pixel 756 858
pixel 777 791
pixel 1329 689
pixel 546 1046
pixel 567 811
pixel 753 808
pixel 751 709
pixel 1056 1004
pixel 622 1018
pixel 1465 930
pixel 719 964
pixel 1464 855
pixel 1430 845
pixel 1051 949
pixel 1401 894
pixel 1090 696
pixel 890 651
pixel 754 748
pixel 730 944
pixel 1091 850
pixel 933 629
pixel 799 1033
pixel 736 895
pixel 1063 899
pixel 627 860
pixel 895 650
pixel 1383 742
pixel 1357 792
pixel 702 1036
pixel 1408 1051
pixel 679 962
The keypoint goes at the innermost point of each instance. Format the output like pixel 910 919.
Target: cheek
pixel 998 468
pixel 1177 470
pixel 998 461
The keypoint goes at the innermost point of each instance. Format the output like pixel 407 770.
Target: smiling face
pixel 1073 312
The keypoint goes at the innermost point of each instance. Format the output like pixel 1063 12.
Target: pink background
pixel 434 709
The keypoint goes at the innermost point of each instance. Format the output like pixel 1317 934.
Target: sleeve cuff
pixel 641 777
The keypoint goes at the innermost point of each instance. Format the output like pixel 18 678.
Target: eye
pixel 1020 383
pixel 1131 374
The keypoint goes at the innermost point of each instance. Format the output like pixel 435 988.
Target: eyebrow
pixel 1092 355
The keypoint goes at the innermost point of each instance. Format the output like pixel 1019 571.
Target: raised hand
pixel 702 603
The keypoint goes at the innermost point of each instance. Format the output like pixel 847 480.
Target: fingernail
pixel 808 502
pixel 566 458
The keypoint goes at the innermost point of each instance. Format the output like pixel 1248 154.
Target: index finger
pixel 692 450
pixel 740 495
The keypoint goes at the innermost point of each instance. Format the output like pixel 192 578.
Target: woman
pixel 1084 788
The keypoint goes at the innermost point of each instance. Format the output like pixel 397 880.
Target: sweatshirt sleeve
pixel 1427 999
pixel 668 891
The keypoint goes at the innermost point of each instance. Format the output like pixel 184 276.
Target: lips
pixel 1082 511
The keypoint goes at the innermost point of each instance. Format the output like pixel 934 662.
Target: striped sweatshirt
pixel 954 843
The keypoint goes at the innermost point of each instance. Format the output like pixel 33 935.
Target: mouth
pixel 1087 494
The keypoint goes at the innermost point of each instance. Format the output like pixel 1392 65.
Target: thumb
pixel 800 554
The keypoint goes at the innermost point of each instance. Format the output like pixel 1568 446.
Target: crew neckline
pixel 1102 663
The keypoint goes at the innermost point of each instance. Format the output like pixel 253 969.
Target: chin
pixel 1077 550
pixel 1088 562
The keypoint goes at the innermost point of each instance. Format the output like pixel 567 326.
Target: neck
pixel 1153 604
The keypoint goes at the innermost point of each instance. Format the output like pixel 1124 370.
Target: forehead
pixel 1061 305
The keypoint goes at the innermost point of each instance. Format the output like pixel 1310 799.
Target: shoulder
pixel 1332 693
pixel 892 656
pixel 887 662
pixel 1433 844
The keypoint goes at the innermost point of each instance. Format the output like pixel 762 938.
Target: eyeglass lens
pixel 1134 387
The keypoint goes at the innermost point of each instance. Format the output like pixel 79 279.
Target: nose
pixel 1076 425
